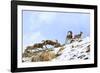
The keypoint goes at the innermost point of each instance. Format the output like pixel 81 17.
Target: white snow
pixel 69 52
pixel 73 51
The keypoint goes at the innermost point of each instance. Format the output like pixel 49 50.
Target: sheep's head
pixel 69 33
pixel 81 33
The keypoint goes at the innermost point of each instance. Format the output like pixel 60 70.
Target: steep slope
pixel 75 50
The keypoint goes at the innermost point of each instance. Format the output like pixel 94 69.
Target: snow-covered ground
pixel 75 50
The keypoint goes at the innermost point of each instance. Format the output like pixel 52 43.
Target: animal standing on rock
pixel 69 37
pixel 78 37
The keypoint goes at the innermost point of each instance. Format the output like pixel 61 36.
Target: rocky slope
pixel 73 51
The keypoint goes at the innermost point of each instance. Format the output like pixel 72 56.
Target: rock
pixel 35 58
pixel 47 56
